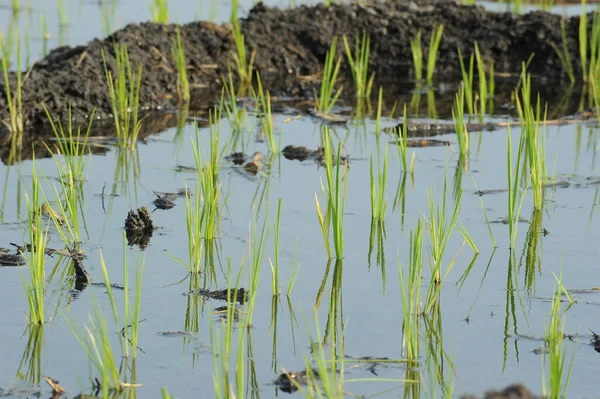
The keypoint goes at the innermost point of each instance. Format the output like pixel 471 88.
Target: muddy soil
pixel 289 44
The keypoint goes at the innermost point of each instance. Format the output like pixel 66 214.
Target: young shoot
pixel 328 95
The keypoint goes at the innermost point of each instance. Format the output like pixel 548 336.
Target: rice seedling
pixel 295 269
pixel 558 374
pixel 108 11
pixel 236 115
pixel 256 251
pixel 462 135
pixel 95 337
pixel 45 34
pixel 243 63
pixel 37 236
pixel 434 45
pixel 336 196
pixel 160 11
pixel 483 84
pixel 359 65
pixel 411 294
pixel 275 267
pixel 183 86
pixel 535 155
pixel 378 116
pixel 15 5
pixel 465 233
pixel 417 55
pixel 440 229
pixel 563 54
pixel 267 118
pixel 583 40
pixel 326 378
pixel 594 68
pixel 165 393
pixel 328 94
pixel 14 101
pixel 467 81
pixel 515 196
pixel 378 183
pixel 62 15
pixel 222 342
pixel 124 95
pixel 202 208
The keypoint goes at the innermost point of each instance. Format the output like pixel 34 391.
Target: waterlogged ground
pixel 494 306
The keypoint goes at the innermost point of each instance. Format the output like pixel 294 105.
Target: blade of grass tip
pixel 562 287
pixel 463 231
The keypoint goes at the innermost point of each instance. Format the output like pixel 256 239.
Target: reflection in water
pixel 531 251
pixel 400 198
pixel 377 240
pixel 512 288
pixel 30 367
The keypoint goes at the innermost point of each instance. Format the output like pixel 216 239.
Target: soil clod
pixel 515 391
pixel 222 295
pixel 139 227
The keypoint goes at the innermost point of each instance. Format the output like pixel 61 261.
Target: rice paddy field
pixel 381 221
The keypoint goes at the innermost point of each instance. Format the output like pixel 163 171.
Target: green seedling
pixel 328 94
pixel 563 54
pixel 411 294
pixel 295 269
pixel 37 235
pixel 440 229
pixel 275 267
pixel 124 95
pixel 417 55
pixel 14 101
pixel 243 63
pixel 160 11
pixel 554 334
pixel 336 196
pixel 462 135
pixel 434 45
pixel 183 86
pixel 515 196
pixel 483 83
pixel 236 115
pixel 467 81
pixel 267 118
pixel 95 337
pixel 378 183
pixel 359 65
pixel 534 139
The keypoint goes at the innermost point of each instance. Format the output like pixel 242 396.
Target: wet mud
pixel 515 391
pixel 290 65
pixel 139 227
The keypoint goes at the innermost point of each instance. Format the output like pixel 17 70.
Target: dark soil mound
pixel 288 44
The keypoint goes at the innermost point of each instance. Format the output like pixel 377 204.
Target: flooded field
pixel 264 241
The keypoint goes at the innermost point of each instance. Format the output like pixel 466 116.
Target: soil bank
pixel 289 44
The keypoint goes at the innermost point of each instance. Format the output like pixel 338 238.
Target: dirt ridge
pixel 289 43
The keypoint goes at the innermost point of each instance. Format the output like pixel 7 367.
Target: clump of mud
pixel 139 227
pixel 515 391
pixel 74 75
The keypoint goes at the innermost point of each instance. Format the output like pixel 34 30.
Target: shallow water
pixel 487 323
